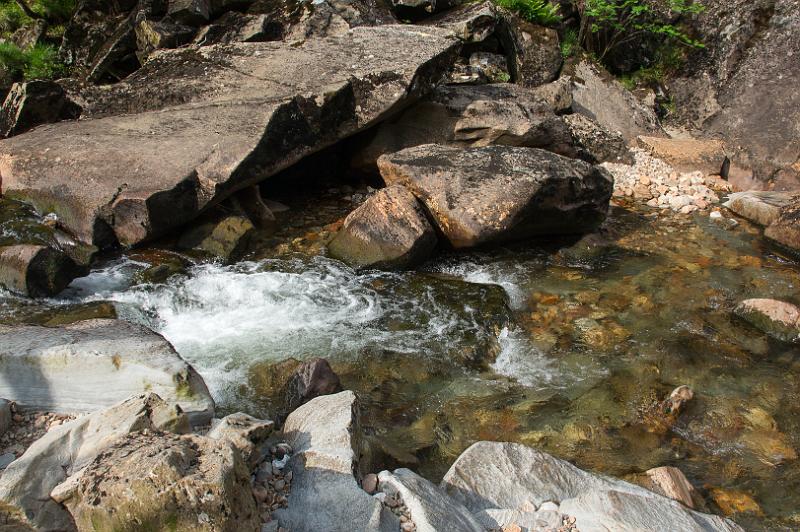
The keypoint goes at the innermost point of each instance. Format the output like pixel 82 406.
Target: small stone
pixel 370 483
pixel 260 493
pixel 279 485
pixel 407 526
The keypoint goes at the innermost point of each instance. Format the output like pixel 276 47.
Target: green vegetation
pixel 668 60
pixel 606 25
pixel 536 11
pixel 41 60
pixel 569 43
pixel 38 62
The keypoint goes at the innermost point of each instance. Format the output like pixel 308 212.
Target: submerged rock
pixel 66 449
pixel 224 238
pixel 36 271
pixel 162 481
pixel 490 476
pixel 224 130
pixel 779 319
pixel 93 364
pixel 670 482
pixel 389 230
pixel 313 378
pixel 499 193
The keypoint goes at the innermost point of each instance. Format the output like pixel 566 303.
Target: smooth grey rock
pixel 94 364
pixel 222 113
pixel 431 509
pixel 600 97
pixel 494 475
pixel 324 434
pixel 501 193
pixel 389 230
pixel 66 449
pixel 36 271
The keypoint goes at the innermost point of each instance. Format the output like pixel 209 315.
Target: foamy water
pixel 222 319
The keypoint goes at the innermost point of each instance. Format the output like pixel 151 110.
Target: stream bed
pixel 568 347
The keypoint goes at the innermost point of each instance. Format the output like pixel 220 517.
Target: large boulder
pixel 161 481
pixel 761 207
pixel 779 319
pixel 472 22
pixel 476 115
pixel 742 86
pixel 65 450
pixel 389 230
pixel 93 364
pixel 500 193
pixel 224 130
pixel 785 229
pixel 36 271
pixel 35 102
pixel 244 432
pixel 324 436
pixel 534 55
pixel 600 97
pixel 491 476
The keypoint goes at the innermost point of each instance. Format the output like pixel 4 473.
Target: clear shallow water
pixel 568 349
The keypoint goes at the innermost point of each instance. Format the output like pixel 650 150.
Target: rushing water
pixel 568 349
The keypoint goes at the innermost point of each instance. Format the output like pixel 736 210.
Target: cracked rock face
pixel 501 193
pixel 195 125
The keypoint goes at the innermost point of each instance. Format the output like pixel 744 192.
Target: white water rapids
pixel 222 319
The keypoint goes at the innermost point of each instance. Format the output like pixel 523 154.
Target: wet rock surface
pixel 36 271
pixel 494 194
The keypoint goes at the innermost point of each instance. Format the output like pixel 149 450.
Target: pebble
pixel 655 182
pixel 370 483
pixel 548 506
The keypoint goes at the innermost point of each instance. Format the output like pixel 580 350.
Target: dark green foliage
pixel 38 62
pixel 569 43
pixel 41 61
pixel 608 25
pixel 536 11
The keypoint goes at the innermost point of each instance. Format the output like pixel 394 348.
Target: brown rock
pixel 164 481
pixel 671 482
pixel 534 56
pixel 36 271
pixel 221 114
pixel 500 193
pixel 370 483
pixel 779 319
pixel 688 155
pixel 761 207
pixel 312 379
pixel 33 103
pixel 389 230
